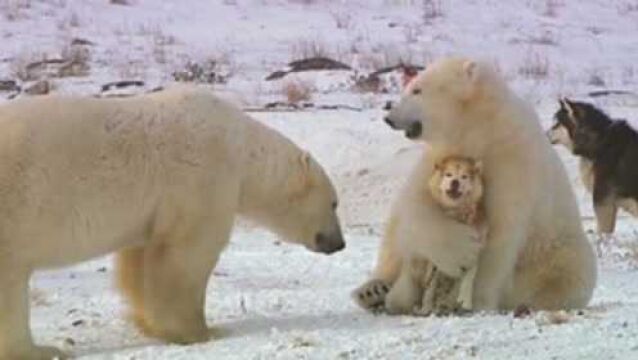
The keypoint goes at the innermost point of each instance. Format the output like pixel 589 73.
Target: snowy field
pixel 276 301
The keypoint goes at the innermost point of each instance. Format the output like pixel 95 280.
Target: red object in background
pixel 408 74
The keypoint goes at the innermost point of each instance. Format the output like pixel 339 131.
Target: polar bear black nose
pixel 389 122
pixel 329 243
pixel 387 106
pixel 414 130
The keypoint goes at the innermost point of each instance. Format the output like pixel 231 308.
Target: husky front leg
pixel 606 209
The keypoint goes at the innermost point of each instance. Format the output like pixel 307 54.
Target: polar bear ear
pixel 302 179
pixel 471 70
pixel 306 161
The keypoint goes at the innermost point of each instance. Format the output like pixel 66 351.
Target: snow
pixel 277 301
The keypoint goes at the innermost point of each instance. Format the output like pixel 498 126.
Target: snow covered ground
pixel 280 301
pixel 273 300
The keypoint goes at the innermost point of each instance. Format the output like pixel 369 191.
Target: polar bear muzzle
pixel 329 242
pixel 412 129
pixel 405 116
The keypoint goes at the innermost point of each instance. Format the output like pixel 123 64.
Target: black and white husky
pixel 608 152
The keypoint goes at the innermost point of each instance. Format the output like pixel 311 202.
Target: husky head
pixel 578 126
pixel 457 181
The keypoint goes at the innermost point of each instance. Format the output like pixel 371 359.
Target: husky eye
pixel 416 91
pixel 464 177
pixel 448 175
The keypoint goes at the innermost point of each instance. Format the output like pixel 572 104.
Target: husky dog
pixel 608 150
pixel 457 186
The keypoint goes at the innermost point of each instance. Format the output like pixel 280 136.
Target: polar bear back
pixel 110 164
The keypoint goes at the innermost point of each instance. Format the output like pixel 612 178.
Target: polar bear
pixel 160 178
pixel 536 253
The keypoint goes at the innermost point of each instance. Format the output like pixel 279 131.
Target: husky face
pixel 578 126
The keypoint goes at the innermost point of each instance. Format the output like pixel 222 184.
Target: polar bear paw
pixel 371 295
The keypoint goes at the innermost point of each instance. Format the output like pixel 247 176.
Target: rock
pixel 41 87
pixel 309 64
pixel 9 85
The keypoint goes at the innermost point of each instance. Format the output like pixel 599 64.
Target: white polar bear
pixel 159 177
pixel 536 252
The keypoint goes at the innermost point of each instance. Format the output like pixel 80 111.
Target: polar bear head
pixel 307 213
pixel 437 102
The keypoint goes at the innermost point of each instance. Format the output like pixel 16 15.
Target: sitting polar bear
pixel 536 253
pixel 159 177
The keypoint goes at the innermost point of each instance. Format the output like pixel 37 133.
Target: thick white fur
pixel 159 177
pixel 536 251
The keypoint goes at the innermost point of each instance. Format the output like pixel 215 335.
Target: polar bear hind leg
pixel 561 284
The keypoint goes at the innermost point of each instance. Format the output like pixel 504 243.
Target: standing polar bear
pixel 159 177
pixel 536 253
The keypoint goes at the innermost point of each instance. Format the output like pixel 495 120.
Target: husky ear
pixel 563 103
pixel 572 111
pixel 478 168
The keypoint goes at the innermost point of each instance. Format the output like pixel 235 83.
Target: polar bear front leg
pixel 508 215
pixel 176 269
pixel 15 336
pixel 371 294
pixel 405 293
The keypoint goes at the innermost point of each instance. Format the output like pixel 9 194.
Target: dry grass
pixel 213 69
pixel 550 8
pixel 342 19
pixel 628 75
pixel 535 66
pixel 432 10
pixel 130 69
pixel 19 66
pixel 78 61
pixel 412 32
pixel 628 7
pixel 71 60
pixel 13 10
pixel 547 37
pixel 304 2
pixel 160 42
pixel 297 92
pixel 596 78
pixel 307 48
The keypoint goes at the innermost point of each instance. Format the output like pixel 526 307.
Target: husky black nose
pixel 455 184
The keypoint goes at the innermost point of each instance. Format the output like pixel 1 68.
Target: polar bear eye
pixel 334 205
pixel 416 91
